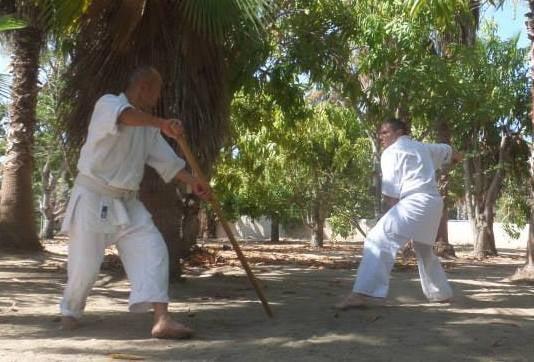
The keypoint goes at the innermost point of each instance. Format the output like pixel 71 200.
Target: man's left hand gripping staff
pixel 172 128
pixel 201 189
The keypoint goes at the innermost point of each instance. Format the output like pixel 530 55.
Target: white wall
pixel 460 232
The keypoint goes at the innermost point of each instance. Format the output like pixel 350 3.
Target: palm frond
pixel 10 22
pixel 215 18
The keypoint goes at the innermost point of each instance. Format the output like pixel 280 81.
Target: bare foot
pixel 69 323
pixel 167 328
pixel 356 300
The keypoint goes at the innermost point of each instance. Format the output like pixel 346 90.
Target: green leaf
pixel 9 22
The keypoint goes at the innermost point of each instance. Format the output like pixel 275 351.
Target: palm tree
pixel 200 48
pixel 17 221
pixel 17 224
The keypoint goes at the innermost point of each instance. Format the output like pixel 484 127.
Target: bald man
pixel 104 209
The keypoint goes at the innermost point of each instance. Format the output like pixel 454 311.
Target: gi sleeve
pixel 104 120
pixel 441 154
pixel 391 183
pixel 163 159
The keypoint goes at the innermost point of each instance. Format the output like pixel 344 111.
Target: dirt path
pixel 491 320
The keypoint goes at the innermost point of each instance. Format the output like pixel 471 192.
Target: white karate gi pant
pixel 95 222
pixel 399 225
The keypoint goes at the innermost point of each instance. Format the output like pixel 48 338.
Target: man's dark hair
pixel 396 124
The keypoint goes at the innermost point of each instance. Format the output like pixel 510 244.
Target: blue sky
pixel 510 20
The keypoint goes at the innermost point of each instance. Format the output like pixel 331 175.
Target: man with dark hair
pixel 415 206
pixel 104 209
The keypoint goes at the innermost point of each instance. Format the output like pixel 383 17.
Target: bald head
pixel 144 88
pixel 144 74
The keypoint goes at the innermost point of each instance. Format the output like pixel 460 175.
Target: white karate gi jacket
pixel 408 174
pixel 116 155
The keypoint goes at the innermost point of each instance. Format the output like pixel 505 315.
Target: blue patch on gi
pixel 104 212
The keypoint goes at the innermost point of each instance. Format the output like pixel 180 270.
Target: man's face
pixel 388 135
pixel 151 91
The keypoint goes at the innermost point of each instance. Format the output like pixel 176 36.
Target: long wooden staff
pixel 218 211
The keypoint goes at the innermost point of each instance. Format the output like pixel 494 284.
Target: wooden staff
pixel 218 211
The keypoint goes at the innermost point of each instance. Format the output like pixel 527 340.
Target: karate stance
pixel 410 190
pixel 104 209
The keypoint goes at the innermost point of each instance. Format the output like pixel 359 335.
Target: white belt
pixel 102 188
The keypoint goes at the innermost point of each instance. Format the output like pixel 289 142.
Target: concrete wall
pixel 460 232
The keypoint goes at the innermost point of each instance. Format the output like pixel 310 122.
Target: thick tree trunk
pixel 275 228
pixel 162 202
pixel 17 221
pixel 485 241
pixel 317 239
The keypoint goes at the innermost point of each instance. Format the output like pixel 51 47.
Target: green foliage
pixel 281 165
pixel 329 61
pixel 513 209
pixel 443 14
pixel 8 22
pixel 214 18
pixel 49 145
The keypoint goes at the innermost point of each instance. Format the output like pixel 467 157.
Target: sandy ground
pixel 490 320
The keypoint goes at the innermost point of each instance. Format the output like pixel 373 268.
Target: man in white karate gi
pixel 410 190
pixel 104 209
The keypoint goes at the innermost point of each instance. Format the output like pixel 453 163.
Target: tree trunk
pixel 17 221
pixel 469 196
pixel 275 228
pixel 485 240
pixel 48 204
pixel 442 247
pixel 317 239
pixel 208 224
pixel 162 202
pixel 190 226
pixel 526 272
